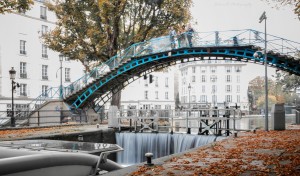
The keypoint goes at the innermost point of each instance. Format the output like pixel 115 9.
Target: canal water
pixel 135 145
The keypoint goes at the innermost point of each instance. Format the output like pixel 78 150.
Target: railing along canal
pixel 203 121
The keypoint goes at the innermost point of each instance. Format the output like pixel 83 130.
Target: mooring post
pixel 149 158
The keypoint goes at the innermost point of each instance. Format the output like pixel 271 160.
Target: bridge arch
pixel 145 57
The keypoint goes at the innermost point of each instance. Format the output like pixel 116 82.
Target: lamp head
pixel 61 57
pixel 12 73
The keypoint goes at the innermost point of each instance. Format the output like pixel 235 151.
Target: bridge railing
pixel 198 39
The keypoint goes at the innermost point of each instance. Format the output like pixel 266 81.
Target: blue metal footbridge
pixel 95 88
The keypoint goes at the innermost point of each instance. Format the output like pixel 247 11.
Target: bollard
pixel 149 157
pixel 98 125
pixel 235 134
pixel 188 131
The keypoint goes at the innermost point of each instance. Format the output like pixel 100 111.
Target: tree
pixel 98 30
pixel 9 6
pixel 295 3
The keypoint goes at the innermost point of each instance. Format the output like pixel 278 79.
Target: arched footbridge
pixel 95 88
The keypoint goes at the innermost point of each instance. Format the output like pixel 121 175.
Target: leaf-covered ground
pixel 260 153
pixel 20 133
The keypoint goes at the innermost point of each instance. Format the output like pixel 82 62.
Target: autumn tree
pixel 9 6
pixel 295 3
pixel 98 30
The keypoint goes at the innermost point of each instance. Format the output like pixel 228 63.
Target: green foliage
pixel 9 6
pixel 98 30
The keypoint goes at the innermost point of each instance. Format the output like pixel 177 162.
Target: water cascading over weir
pixel 135 145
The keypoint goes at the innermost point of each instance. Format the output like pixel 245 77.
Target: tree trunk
pixel 116 99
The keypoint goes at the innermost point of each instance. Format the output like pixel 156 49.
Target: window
pixel 203 98
pixel 167 82
pixel 238 98
pixel 228 69
pixel 156 94
pixel 228 98
pixel 157 106
pixel 238 89
pixel 213 78
pixel 44 91
pixel 228 78
pixel 43 13
pixel 146 83
pixel 193 69
pixel 193 78
pixel 23 73
pixel 203 69
pixel 67 74
pixel 167 106
pixel 23 89
pixel 238 79
pixel 238 69
pixel 44 51
pixel 203 88
pixel 214 99
pixel 44 29
pixel 203 78
pixel 23 47
pixel 214 88
pixel 166 95
pixel 146 95
pixel 213 69
pixel 45 72
pixel 228 88
pixel 156 81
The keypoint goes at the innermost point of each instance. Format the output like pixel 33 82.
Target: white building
pixel 141 94
pixel 37 67
pixel 213 83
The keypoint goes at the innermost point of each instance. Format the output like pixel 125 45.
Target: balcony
pixel 23 52
pixel 45 55
pixel 44 17
pixel 23 75
pixel 23 94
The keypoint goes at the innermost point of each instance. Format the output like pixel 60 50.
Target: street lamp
pixel 12 75
pixel 263 17
pixel 189 88
pixel 61 57
pixel 187 120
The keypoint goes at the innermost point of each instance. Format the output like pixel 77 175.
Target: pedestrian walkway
pixel 250 153
pixel 38 132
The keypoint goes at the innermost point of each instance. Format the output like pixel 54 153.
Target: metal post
pixel 60 87
pixel 13 120
pixel 262 18
pixel 266 79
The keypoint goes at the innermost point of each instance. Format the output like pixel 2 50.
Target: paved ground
pixel 259 153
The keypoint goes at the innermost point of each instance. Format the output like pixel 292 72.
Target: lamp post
pixel 189 88
pixel 263 17
pixel 187 120
pixel 61 57
pixel 12 74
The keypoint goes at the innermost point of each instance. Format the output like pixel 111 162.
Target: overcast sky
pixel 214 15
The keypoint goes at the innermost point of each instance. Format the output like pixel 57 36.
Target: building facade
pixel 153 91
pixel 214 83
pixel 37 67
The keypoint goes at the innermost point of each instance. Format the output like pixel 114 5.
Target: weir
pixel 135 145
